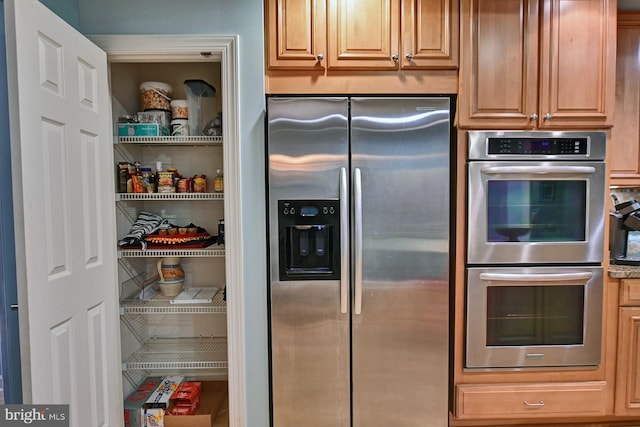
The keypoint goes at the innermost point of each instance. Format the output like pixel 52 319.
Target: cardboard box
pixel 141 129
pixel 133 403
pixel 161 395
pixel 212 398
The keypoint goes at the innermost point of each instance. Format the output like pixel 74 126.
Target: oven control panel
pixel 538 146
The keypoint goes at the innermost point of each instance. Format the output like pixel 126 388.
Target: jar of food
pixel 184 186
pixel 156 96
pixel 218 182
pixel 179 109
pixel 180 127
pixel 200 184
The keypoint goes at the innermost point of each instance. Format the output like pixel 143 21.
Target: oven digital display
pixel 538 146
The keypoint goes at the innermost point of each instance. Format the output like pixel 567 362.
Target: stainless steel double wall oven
pixel 536 216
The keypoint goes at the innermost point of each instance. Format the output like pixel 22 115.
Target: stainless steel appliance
pixel 536 197
pixel 536 215
pixel 534 316
pixel 359 220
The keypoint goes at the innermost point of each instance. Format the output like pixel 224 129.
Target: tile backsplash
pixel 624 194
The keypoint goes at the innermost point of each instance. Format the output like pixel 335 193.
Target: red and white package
pixel 186 399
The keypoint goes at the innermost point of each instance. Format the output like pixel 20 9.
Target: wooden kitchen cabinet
pixel 530 401
pixel 522 64
pixel 296 34
pixel 361 34
pixel 624 148
pixel 627 395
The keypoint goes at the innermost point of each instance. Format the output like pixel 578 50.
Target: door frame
pixel 223 49
pixel 10 367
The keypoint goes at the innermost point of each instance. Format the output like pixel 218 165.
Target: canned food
pixel 156 96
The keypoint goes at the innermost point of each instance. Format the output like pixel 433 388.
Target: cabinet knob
pixel 548 116
pixel 395 58
pixel 409 56
pixel 320 57
pixel 534 116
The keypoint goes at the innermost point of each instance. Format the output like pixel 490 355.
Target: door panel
pixel 496 89
pixel 577 32
pixel 297 34
pixel 363 34
pixel 65 236
pixel 430 32
pixel 307 147
pixel 400 338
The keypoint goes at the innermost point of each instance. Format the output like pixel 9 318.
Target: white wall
pixel 245 18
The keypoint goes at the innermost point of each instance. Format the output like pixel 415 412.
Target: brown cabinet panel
pixel 296 30
pixel 624 149
pixel 628 378
pixel 430 31
pixel 321 39
pixel 577 63
pixel 630 292
pixel 500 401
pixel 507 81
pixel 363 34
pixel 498 63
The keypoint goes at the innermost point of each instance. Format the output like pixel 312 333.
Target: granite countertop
pixel 624 271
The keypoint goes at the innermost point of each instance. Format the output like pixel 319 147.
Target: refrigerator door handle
pixel 344 241
pixel 357 206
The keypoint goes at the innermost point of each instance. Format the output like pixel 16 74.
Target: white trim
pixel 223 49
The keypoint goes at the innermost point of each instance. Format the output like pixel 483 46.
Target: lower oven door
pixel 536 212
pixel 520 317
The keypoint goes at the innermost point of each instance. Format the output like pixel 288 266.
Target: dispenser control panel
pixel 309 239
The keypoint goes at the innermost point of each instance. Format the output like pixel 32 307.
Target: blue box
pixel 141 129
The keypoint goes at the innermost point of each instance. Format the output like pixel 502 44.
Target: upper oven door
pixel 535 212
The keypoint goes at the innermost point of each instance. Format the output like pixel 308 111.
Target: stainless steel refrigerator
pixel 359 225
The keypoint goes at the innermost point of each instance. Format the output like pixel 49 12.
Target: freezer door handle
pixel 344 241
pixel 357 208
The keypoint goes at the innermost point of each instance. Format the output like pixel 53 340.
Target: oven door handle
pixel 539 170
pixel 550 277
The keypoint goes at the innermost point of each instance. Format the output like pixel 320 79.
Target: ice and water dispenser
pixel 309 240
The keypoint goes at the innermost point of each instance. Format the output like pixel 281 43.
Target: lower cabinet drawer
pixel 500 401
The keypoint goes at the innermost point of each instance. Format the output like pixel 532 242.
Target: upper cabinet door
pixel 296 34
pixel 577 63
pixel 429 34
pixel 363 34
pixel 505 81
pixel 498 63
pixel 624 151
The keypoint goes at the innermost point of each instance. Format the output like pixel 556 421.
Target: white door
pixel 62 157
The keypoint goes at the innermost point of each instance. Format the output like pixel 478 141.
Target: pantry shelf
pixel 217 251
pixel 171 140
pixel 163 305
pixel 180 354
pixel 169 196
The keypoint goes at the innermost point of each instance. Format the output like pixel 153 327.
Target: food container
pixel 180 127
pixel 179 109
pixel 156 96
pixel 200 184
pixel 201 99
pixel 161 117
